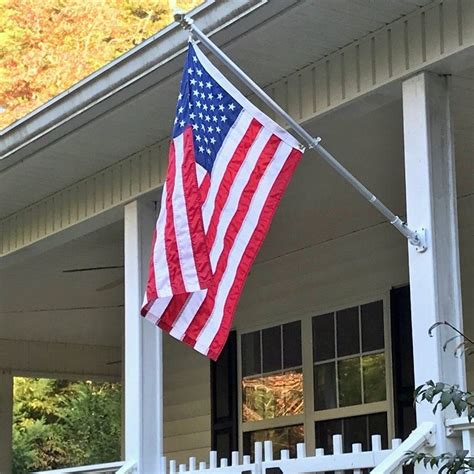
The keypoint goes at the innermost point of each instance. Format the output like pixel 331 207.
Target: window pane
pixel 324 433
pixel 348 332
pixel 372 326
pixel 292 345
pixel 378 425
pixel 282 438
pixel 349 382
pixel 272 396
pixel 271 343
pixel 251 354
pixel 325 386
pixel 355 431
pixel 373 367
pixel 323 337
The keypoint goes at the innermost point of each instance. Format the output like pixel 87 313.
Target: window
pixel 346 355
pixel 272 386
pixel 349 357
pixel 272 376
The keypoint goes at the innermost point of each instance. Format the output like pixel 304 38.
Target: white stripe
pixel 228 212
pixel 162 277
pixel 158 308
pixel 200 173
pixel 226 152
pixel 240 244
pixel 181 224
pixel 187 314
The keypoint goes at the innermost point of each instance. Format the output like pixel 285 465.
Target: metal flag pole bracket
pixel 416 238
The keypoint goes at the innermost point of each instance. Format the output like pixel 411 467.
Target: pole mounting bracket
pixel 419 240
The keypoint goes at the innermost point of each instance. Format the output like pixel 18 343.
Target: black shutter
pixel 224 423
pixel 402 356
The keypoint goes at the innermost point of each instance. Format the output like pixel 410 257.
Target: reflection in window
pixel 272 383
pixel 272 396
pixel 349 357
pixel 283 438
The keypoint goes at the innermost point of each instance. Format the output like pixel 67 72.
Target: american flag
pixel 229 165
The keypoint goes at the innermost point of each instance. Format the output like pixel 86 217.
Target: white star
pixel 205 107
pixel 199 72
pixel 190 70
pixel 201 84
pixel 214 118
pixel 176 120
pixel 196 92
pixel 195 59
pixel 210 96
pixel 231 106
pixel 180 110
pixel 223 118
pixel 210 130
pixel 200 115
pixel 193 81
pixel 206 140
pixel 219 96
pixel 198 104
pixel 192 115
pixel 203 127
pixel 212 107
pixel 208 85
pixel 180 96
pixel 208 151
pixel 207 118
pixel 198 138
pixel 213 140
pixel 203 96
pixel 195 126
pixel 201 149
pixel 218 129
pixel 221 107
pixel 181 124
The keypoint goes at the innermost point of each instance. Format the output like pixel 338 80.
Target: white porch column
pixel 143 348
pixel 6 422
pixel 431 203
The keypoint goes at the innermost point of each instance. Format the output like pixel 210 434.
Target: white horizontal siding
pixel 187 406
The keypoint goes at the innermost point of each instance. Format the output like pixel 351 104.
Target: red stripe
pixel 235 224
pixel 231 172
pixel 171 246
pixel 204 188
pixel 151 294
pixel 251 251
pixel 176 305
pixel 194 212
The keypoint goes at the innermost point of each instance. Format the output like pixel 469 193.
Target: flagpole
pixel 416 238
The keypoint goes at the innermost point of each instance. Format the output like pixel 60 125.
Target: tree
pixel 47 46
pixel 62 423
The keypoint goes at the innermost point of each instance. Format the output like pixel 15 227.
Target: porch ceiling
pixel 277 39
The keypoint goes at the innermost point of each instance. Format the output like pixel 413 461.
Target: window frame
pixel 311 416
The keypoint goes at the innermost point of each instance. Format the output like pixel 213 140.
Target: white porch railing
pixel 120 467
pixel 465 429
pixel 384 461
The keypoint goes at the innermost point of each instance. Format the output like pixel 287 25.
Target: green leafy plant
pixel 441 396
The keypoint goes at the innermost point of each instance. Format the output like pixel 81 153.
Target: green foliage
pixel 463 402
pixel 447 463
pixel 61 423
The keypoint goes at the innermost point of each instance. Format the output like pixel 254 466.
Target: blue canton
pixel 207 107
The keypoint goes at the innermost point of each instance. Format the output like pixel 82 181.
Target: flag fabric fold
pixel 229 165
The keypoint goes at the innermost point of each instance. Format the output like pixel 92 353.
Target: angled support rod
pixel 415 237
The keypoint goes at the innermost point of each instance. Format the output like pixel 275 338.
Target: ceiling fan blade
pixel 114 362
pixel 112 284
pixel 92 269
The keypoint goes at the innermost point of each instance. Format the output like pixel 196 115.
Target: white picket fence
pixel 377 459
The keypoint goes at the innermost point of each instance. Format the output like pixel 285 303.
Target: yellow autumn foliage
pixel 46 46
